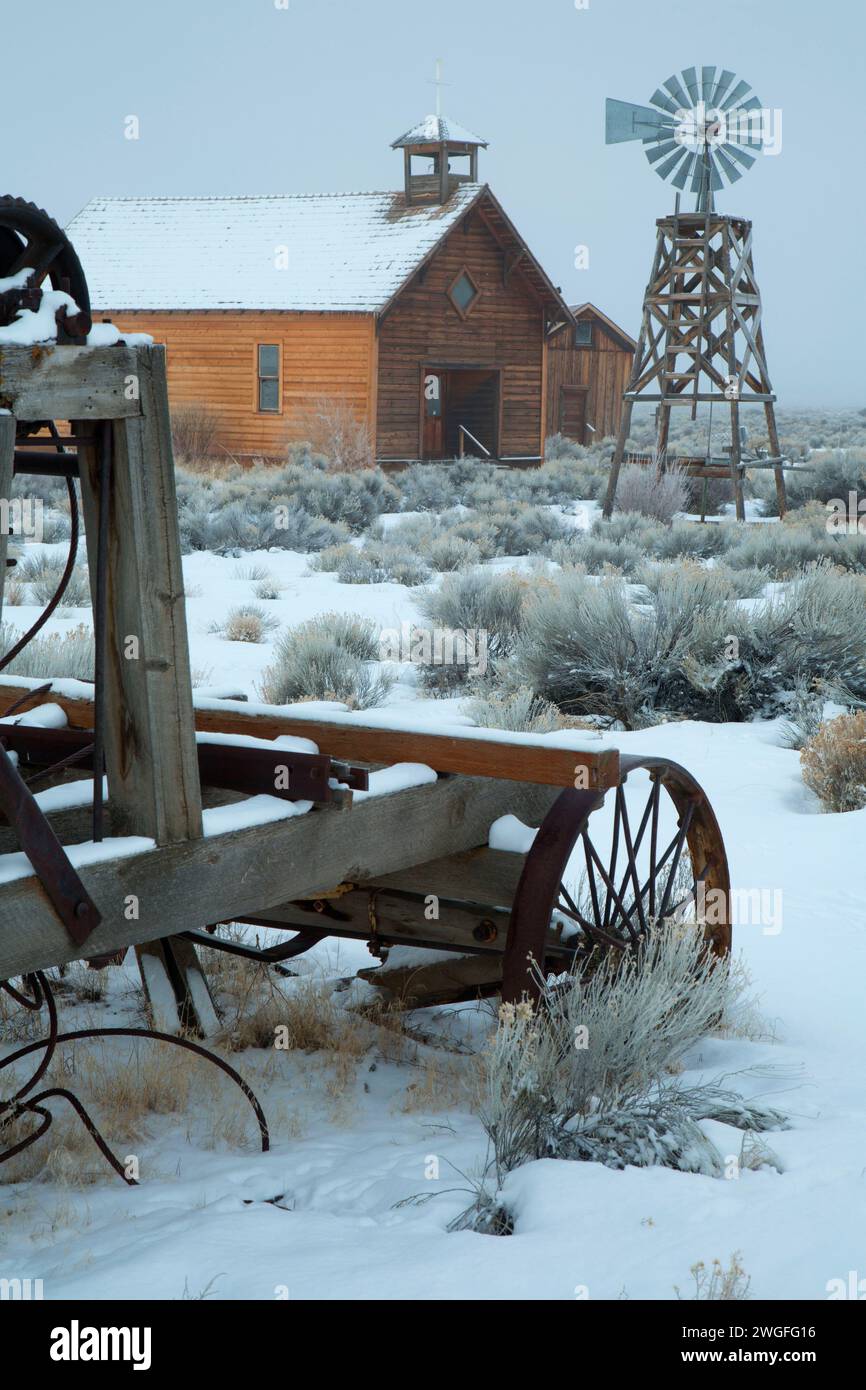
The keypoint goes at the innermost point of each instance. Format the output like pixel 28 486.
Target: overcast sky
pixel 245 96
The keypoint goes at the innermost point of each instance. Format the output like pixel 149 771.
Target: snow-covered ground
pixel 320 1215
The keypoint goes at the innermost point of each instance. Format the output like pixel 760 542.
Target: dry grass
pixel 334 432
pixel 719 1285
pixel 443 1083
pixel 834 762
pixel 193 431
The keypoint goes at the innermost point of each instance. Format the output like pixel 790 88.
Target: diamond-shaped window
pixel 464 293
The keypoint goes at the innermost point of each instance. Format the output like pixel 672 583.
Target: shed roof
pixel 438 130
pixel 340 252
pixel 584 310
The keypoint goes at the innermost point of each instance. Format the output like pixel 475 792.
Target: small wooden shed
pixel 588 367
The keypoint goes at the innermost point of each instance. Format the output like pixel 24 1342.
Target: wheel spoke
pixel 613 854
pixel 654 835
pixel 612 895
pixel 679 842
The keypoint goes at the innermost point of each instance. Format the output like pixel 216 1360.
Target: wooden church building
pixel 422 311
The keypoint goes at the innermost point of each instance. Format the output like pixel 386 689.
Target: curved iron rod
pixel 16 1105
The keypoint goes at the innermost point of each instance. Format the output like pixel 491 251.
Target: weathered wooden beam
pixel 146 896
pixel 150 736
pixel 470 754
pixel 72 383
pixel 7 465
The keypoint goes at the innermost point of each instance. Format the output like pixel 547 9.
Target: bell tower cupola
pixel 438 156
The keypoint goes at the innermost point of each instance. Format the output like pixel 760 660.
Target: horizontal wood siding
pixel 505 330
pixel 602 368
pixel 211 360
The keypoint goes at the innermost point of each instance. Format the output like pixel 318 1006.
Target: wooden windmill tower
pixel 701 338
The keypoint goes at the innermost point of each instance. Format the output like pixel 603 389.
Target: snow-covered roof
pixel 347 252
pixel 438 130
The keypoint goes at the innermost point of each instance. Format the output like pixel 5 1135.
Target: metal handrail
pixel 464 432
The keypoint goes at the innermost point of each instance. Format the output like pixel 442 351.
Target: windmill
pixel 701 337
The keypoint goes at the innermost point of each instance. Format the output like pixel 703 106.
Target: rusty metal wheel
pixel 30 239
pixel 602 872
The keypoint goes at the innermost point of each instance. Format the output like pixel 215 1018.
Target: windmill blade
pixel 690 77
pixel 661 149
pixel 666 169
pixel 722 86
pixel 715 178
pixel 727 166
pixel 708 77
pixel 735 97
pixel 660 98
pixel 683 174
pixel 678 93
pixel 744 127
pixel 747 160
pixel 625 121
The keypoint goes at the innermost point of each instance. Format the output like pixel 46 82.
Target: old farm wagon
pixel 278 817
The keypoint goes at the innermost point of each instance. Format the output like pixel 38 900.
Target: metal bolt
pixel 486 930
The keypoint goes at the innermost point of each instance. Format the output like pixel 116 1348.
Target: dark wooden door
pixel 433 391
pixel 572 412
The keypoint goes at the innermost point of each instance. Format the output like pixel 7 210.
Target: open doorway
pixel 459 412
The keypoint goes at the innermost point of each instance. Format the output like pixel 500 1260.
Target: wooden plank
pixel 246 871
pixel 150 740
pixel 472 756
pixel 480 875
pixel 402 918
pixel 7 463
pixel 70 383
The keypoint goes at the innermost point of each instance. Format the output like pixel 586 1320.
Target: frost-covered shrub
pixel 246 623
pixel 694 538
pixel 728 583
pixel 477 530
pixel 525 530
pixel 827 474
pixel 595 551
pixel 411 532
pixel 586 647
pixel 301 532
pixel 358 567
pixel 68 654
pixel 559 480
pixel 834 762
pixel 659 495
pixel 641 530
pixel 354 499
pixel 331 557
pixel 312 665
pixel 268 588
pixel 611 1098
pixel 451 552
pixel 813 630
pixel 479 601
pixel 430 487
pixel 56 526
pixel 519 711
pixel 559 446
pixel 351 631
pixel 42 572
pixel 786 550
